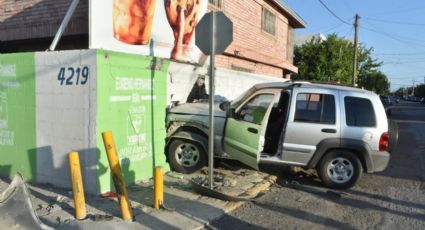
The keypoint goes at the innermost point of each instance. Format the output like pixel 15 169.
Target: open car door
pixel 244 132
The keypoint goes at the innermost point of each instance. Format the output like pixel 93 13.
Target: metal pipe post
pixel 119 182
pixel 77 186
pixel 211 103
pixel 158 198
pixel 64 24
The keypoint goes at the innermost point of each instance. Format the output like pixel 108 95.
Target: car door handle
pixel 329 130
pixel 252 130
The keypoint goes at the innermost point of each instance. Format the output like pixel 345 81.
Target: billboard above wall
pixel 161 28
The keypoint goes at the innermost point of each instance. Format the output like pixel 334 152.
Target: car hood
pixel 198 108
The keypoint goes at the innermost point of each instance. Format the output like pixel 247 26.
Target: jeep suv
pixel 340 131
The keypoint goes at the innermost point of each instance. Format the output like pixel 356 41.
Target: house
pixel 301 39
pixel 263 31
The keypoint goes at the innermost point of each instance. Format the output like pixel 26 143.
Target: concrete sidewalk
pixel 190 210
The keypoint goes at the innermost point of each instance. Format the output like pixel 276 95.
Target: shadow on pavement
pixel 229 222
pixel 386 199
pixel 338 197
pixel 300 214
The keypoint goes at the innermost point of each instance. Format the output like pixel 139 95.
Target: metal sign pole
pixel 211 109
pixel 63 25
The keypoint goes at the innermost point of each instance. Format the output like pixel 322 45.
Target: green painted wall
pixel 131 102
pixel 17 115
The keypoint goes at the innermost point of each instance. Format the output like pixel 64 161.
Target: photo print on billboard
pixel 161 28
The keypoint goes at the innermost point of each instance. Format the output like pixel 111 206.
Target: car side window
pixel 255 110
pixel 315 108
pixel 359 112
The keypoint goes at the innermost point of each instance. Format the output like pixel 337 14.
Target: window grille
pixel 268 21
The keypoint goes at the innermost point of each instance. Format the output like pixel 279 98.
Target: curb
pixel 232 205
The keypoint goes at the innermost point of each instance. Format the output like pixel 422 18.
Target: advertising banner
pixel 131 100
pixel 161 28
pixel 17 115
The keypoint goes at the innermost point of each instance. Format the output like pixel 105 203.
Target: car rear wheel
pixel 186 156
pixel 340 169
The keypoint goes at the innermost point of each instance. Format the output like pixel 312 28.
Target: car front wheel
pixel 186 156
pixel 340 169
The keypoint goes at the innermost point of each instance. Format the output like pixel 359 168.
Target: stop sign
pixel 222 34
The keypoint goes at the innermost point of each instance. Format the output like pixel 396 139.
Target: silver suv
pixel 341 131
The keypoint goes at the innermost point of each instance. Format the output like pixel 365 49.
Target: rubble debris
pixel 15 202
pixel 203 190
pixel 175 175
pixel 100 217
pixel 44 209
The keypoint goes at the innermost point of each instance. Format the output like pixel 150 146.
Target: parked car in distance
pixel 340 131
pixel 386 100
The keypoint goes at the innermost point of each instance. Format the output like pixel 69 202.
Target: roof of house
pixel 32 19
pixel 304 38
pixel 295 20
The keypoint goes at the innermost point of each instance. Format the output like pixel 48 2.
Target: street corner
pixel 233 184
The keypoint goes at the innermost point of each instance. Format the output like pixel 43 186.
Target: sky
pixel 395 29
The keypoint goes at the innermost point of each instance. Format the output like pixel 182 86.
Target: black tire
pixel 186 156
pixel 340 169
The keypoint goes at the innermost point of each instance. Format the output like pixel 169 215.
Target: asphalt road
pixel 393 199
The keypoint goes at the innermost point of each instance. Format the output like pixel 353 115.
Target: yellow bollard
pixel 119 183
pixel 77 186
pixel 158 198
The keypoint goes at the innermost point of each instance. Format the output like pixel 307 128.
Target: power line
pixel 401 63
pixel 400 10
pixel 399 54
pixel 397 37
pixel 394 38
pixel 395 22
pixel 334 28
pixel 330 11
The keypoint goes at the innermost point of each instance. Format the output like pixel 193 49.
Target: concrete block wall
pixel 228 83
pixel 65 116
pixel 57 115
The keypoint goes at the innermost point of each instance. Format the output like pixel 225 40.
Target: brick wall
pixel 238 64
pixel 254 49
pixel 25 19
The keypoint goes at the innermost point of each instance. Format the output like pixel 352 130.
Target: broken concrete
pixel 16 208
pixel 189 210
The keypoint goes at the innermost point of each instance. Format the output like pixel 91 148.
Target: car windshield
pixel 238 100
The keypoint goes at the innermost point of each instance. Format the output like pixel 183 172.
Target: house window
pixel 290 45
pixel 268 21
pixel 216 3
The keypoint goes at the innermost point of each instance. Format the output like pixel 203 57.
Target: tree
pixel 375 81
pixel 420 90
pixel 331 60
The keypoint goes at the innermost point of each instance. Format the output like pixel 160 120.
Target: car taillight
pixel 383 142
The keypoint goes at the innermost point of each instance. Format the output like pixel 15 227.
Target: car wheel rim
pixel 187 154
pixel 340 170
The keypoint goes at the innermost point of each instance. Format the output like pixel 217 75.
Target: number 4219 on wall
pixel 73 76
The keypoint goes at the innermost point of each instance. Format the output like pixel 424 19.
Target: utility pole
pixel 356 37
pixel 413 88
